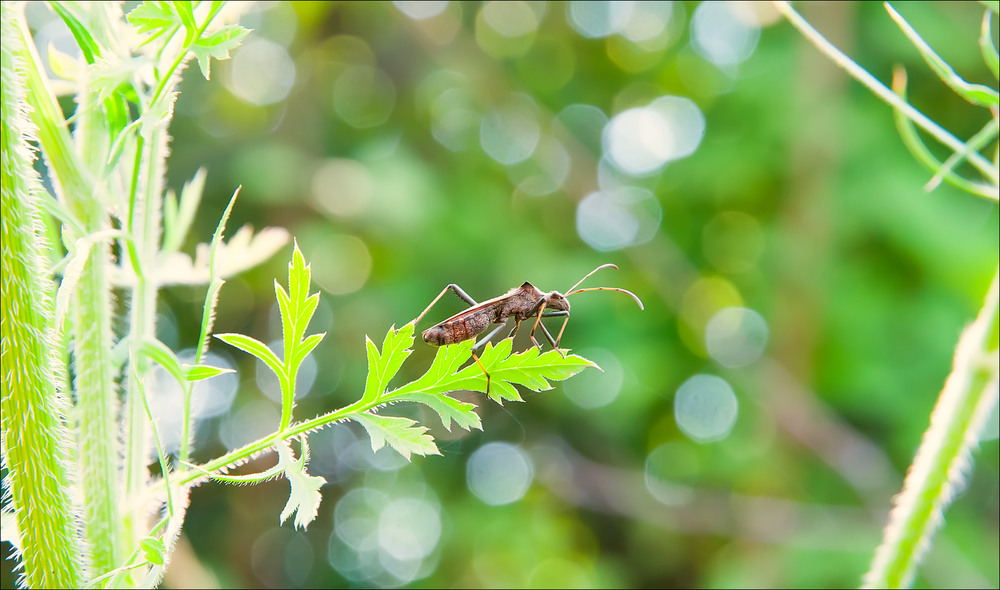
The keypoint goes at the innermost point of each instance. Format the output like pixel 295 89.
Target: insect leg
pixel 555 343
pixel 538 319
pixel 485 372
pixel 458 291
pixel 489 336
pixel 517 324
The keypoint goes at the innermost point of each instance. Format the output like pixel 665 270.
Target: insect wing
pixel 479 307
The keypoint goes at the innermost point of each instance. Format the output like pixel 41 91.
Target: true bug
pixel 520 303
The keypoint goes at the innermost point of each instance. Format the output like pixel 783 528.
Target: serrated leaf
pixel 256 348
pixel 299 275
pixel 217 45
pixel 63 65
pixel 241 252
pixel 383 366
pixel 400 433
pixel 88 46
pixel 528 369
pixel 307 346
pixel 161 353
pixel 180 214
pixel 109 72
pixel 304 497
pixel 155 17
pixel 186 13
pixel 446 362
pixel 199 372
pixel 448 408
pixel 153 550
pixel 158 115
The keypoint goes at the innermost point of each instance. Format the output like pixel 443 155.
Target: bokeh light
pixel 382 539
pixel 262 72
pixel 668 471
pixel 586 123
pixel 757 201
pixel 724 33
pixel 268 382
pixel 251 421
pixel 209 397
pixel 421 10
pixel 342 187
pixel 510 134
pixel 604 387
pixel 642 140
pixel 736 336
pixel 648 20
pixel 282 558
pixel 616 219
pixel 705 408
pixel 364 96
pixel 598 18
pixel 499 473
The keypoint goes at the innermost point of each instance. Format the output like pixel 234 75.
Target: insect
pixel 520 303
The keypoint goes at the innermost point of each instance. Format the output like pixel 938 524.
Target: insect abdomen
pixel 457 331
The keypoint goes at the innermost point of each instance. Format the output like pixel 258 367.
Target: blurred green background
pixel 803 293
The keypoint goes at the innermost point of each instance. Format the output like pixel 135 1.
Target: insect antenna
pixel 590 273
pixel 571 290
pixel 629 293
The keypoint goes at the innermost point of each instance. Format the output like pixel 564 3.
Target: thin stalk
pixel 888 96
pixel 945 454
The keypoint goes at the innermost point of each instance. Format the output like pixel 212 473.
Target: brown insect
pixel 520 303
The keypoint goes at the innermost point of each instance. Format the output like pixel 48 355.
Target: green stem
pixel 880 90
pixel 937 473
pixel 32 411
pixel 94 384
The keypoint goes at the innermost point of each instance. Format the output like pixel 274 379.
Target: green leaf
pixel 154 17
pixel 299 275
pixel 383 366
pixel 158 115
pixel 256 348
pixel 179 216
pixel 153 550
pixel 399 432
pixel 248 478
pixel 446 362
pixel 306 347
pixel 217 45
pixel 199 372
pixel 528 369
pixel 304 497
pixel 163 356
pixel 186 13
pixel 63 66
pixel 448 409
pixel 88 46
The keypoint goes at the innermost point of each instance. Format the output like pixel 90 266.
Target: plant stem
pixel 32 411
pixel 937 474
pixel 888 96
pixel 94 384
